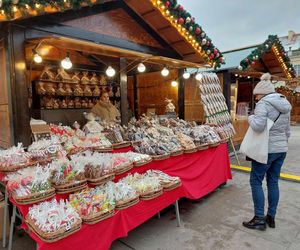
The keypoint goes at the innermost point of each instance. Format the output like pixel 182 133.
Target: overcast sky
pixel 237 23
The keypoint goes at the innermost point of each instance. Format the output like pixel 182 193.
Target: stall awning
pixel 269 57
pixel 109 51
pixel 167 18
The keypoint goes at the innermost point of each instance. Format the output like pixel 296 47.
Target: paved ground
pixel 292 162
pixel 214 222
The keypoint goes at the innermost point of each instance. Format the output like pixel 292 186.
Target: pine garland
pixel 266 47
pixel 188 22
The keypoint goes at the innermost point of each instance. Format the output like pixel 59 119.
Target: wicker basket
pixel 171 186
pixel 102 180
pixel 70 187
pixel 160 157
pixel 34 198
pixel 55 236
pixel 94 218
pixel 214 145
pixel 177 152
pixel 128 203
pixel 190 150
pixel 142 163
pixel 9 169
pixel 123 144
pixel 135 143
pixel 225 140
pixel 151 195
pixel 123 169
pixel 102 149
pixel 202 147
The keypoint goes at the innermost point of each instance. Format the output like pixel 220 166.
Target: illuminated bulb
pixel 15 9
pixel 37 58
pixel 248 77
pixel 199 77
pixel 158 2
pixel 141 68
pixel 165 72
pixel 66 63
pixel 2 12
pixel 110 71
pixel 26 6
pixel 37 5
pixel 167 12
pixel 174 84
pixel 236 75
pixel 186 75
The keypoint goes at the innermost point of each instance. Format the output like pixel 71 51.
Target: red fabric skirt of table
pixel 200 173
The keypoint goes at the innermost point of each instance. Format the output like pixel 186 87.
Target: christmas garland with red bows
pixel 185 19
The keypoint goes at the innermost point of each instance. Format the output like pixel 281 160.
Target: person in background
pixel 105 110
pixel 277 108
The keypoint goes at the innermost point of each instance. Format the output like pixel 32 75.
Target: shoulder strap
pixel 274 108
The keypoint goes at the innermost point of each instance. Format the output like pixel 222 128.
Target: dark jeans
pixel 272 172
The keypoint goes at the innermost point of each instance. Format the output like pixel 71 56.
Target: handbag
pixel 256 145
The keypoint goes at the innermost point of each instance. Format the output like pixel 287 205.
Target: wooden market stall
pixel 56 57
pixel 243 71
pixel 120 34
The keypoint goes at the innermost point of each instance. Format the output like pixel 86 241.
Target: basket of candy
pixel 53 221
pixel 30 185
pixel 67 176
pixel 166 181
pixel 14 158
pixel 98 168
pixel 92 204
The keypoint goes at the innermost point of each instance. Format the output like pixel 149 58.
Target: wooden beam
pixel 123 88
pixel 148 12
pixel 181 94
pixel 135 97
pixel 164 28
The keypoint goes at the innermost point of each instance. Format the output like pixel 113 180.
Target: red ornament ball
pixel 208 43
pixel 252 63
pixel 215 51
pixel 181 8
pixel 246 60
pixel 211 56
pixel 198 31
pixel 180 20
pixel 167 4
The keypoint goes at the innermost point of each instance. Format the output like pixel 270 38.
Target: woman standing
pixel 275 107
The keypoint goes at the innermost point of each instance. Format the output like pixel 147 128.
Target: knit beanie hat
pixel 265 86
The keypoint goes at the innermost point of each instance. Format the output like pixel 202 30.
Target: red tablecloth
pixel 200 173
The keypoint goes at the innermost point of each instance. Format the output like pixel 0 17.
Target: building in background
pixel 291 43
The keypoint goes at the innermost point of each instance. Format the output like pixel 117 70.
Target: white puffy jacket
pixel 270 106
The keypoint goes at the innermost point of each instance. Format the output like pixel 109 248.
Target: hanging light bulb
pixel 186 74
pixel 110 71
pixel 165 72
pixel 66 63
pixel 174 83
pixel 199 77
pixel 36 57
pixel 141 68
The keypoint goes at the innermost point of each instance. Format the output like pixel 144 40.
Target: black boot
pixel 256 223
pixel 270 221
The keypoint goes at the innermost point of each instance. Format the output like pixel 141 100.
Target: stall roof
pixel 167 18
pixel 271 57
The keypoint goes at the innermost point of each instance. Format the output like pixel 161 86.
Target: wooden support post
pixel 180 95
pixel 135 97
pixel 123 86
